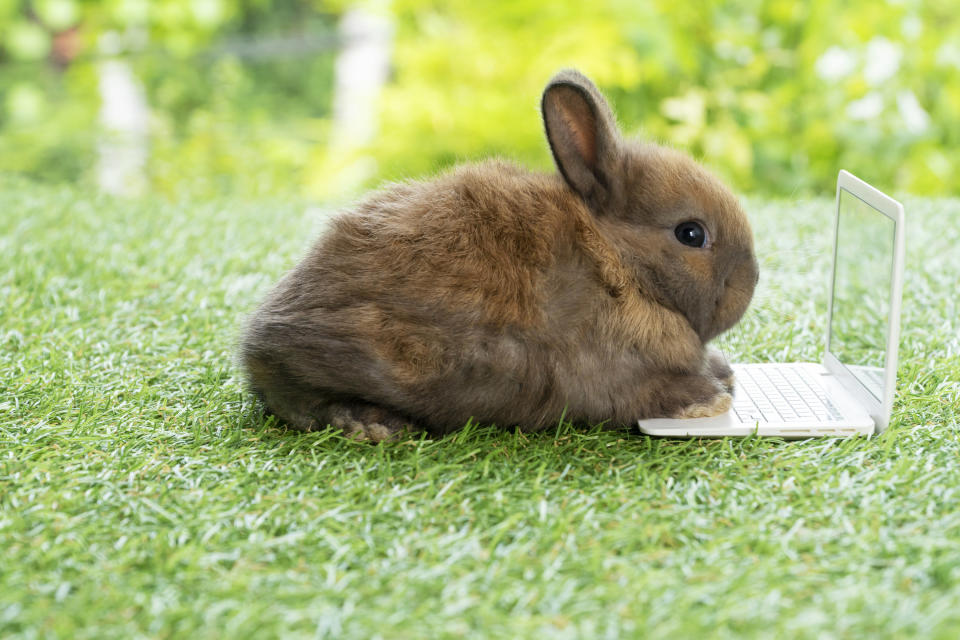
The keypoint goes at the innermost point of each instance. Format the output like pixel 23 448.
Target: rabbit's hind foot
pixel 361 421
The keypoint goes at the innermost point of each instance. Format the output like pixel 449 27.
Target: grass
pixel 143 494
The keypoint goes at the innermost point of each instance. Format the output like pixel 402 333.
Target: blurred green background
pixel 240 95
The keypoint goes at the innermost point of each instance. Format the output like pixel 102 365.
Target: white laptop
pixel 852 391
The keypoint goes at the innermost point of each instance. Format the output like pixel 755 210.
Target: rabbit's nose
pixel 739 271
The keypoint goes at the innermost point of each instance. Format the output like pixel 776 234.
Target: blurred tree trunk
pixel 361 70
pixel 124 115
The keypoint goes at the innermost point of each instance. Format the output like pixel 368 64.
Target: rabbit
pixel 503 296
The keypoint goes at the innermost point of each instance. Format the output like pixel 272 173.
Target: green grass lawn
pixel 143 493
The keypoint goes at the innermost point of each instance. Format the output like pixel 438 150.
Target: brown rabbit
pixel 512 297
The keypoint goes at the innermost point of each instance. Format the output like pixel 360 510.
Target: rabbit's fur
pixel 512 297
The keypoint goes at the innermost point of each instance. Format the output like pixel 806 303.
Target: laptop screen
pixel 860 318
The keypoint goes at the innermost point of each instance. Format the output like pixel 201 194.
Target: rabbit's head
pixel 682 232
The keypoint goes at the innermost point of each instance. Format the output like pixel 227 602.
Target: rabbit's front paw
pixel 720 403
pixel 728 382
pixel 720 369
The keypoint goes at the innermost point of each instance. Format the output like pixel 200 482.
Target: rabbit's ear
pixel 582 134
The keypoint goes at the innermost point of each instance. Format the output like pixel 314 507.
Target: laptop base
pixel 754 413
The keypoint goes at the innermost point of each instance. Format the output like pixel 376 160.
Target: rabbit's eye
pixel 691 234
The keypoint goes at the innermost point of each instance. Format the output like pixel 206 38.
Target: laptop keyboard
pixel 780 394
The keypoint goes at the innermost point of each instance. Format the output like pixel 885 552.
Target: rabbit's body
pixel 501 295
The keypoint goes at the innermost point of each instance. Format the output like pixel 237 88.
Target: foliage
pixel 225 115
pixel 142 493
pixel 775 94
